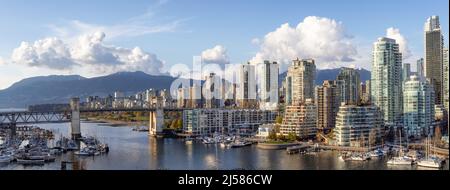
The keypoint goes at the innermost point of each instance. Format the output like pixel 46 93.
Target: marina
pixel 31 145
pixel 139 151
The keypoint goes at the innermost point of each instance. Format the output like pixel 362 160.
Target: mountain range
pixel 60 88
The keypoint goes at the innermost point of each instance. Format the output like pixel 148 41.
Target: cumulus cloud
pixel 88 52
pixel 217 55
pixel 322 39
pixel 395 34
pixel 48 52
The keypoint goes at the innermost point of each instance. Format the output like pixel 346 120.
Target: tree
pixel 272 135
pixel 173 125
pixel 179 124
pixel 282 138
pixel 362 140
pixel 372 137
pixel 138 114
pixel 292 137
pixel 279 120
pixel 437 135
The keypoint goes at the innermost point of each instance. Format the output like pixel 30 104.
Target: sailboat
pixel 400 159
pixel 84 150
pixel 428 161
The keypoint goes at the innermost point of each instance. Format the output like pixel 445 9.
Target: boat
pixel 358 157
pixel 208 140
pixel 5 159
pixel 399 159
pixel 293 149
pixel 49 158
pixel 224 144
pixel 103 148
pixel 188 140
pixel 377 153
pixel 71 145
pixel 140 128
pixel 82 152
pixel 238 144
pixel 30 161
pixel 429 161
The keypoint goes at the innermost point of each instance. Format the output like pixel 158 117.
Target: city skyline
pixel 105 41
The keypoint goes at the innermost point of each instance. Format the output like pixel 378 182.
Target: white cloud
pixel 48 52
pixel 217 55
pixel 256 41
pixel 146 23
pixel 395 34
pixel 89 53
pixel 2 61
pixel 322 39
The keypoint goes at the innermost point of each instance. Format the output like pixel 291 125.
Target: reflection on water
pixel 131 150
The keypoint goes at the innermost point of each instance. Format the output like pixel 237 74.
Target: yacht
pixel 429 161
pixel 400 159
pixel 238 144
pixel 359 157
pixel 377 153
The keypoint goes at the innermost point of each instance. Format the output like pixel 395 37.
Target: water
pixel 12 109
pixel 131 150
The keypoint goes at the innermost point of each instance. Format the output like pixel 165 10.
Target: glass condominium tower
pixel 434 42
pixel 418 106
pixel 386 80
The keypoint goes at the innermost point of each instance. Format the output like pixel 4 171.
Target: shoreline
pixel 114 123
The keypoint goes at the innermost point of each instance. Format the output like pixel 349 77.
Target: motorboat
pixel 399 161
pixel 238 144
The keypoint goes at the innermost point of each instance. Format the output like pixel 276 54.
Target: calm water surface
pixel 131 150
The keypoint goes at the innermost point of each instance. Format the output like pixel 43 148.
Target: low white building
pixel 264 130
pixel 243 122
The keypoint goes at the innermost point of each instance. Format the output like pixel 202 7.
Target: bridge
pixel 11 119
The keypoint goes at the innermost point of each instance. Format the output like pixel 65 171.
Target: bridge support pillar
pixel 156 121
pixel 75 130
pixel 13 128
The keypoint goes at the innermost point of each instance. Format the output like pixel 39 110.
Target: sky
pixel 100 37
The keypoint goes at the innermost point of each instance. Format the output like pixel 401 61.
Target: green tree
pixel 173 125
pixel 279 120
pixel 179 124
pixel 138 115
pixel 282 138
pixel 272 135
pixel 292 137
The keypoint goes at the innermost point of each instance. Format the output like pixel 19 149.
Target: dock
pixel 296 149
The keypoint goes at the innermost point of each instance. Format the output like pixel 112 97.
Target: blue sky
pixel 175 30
